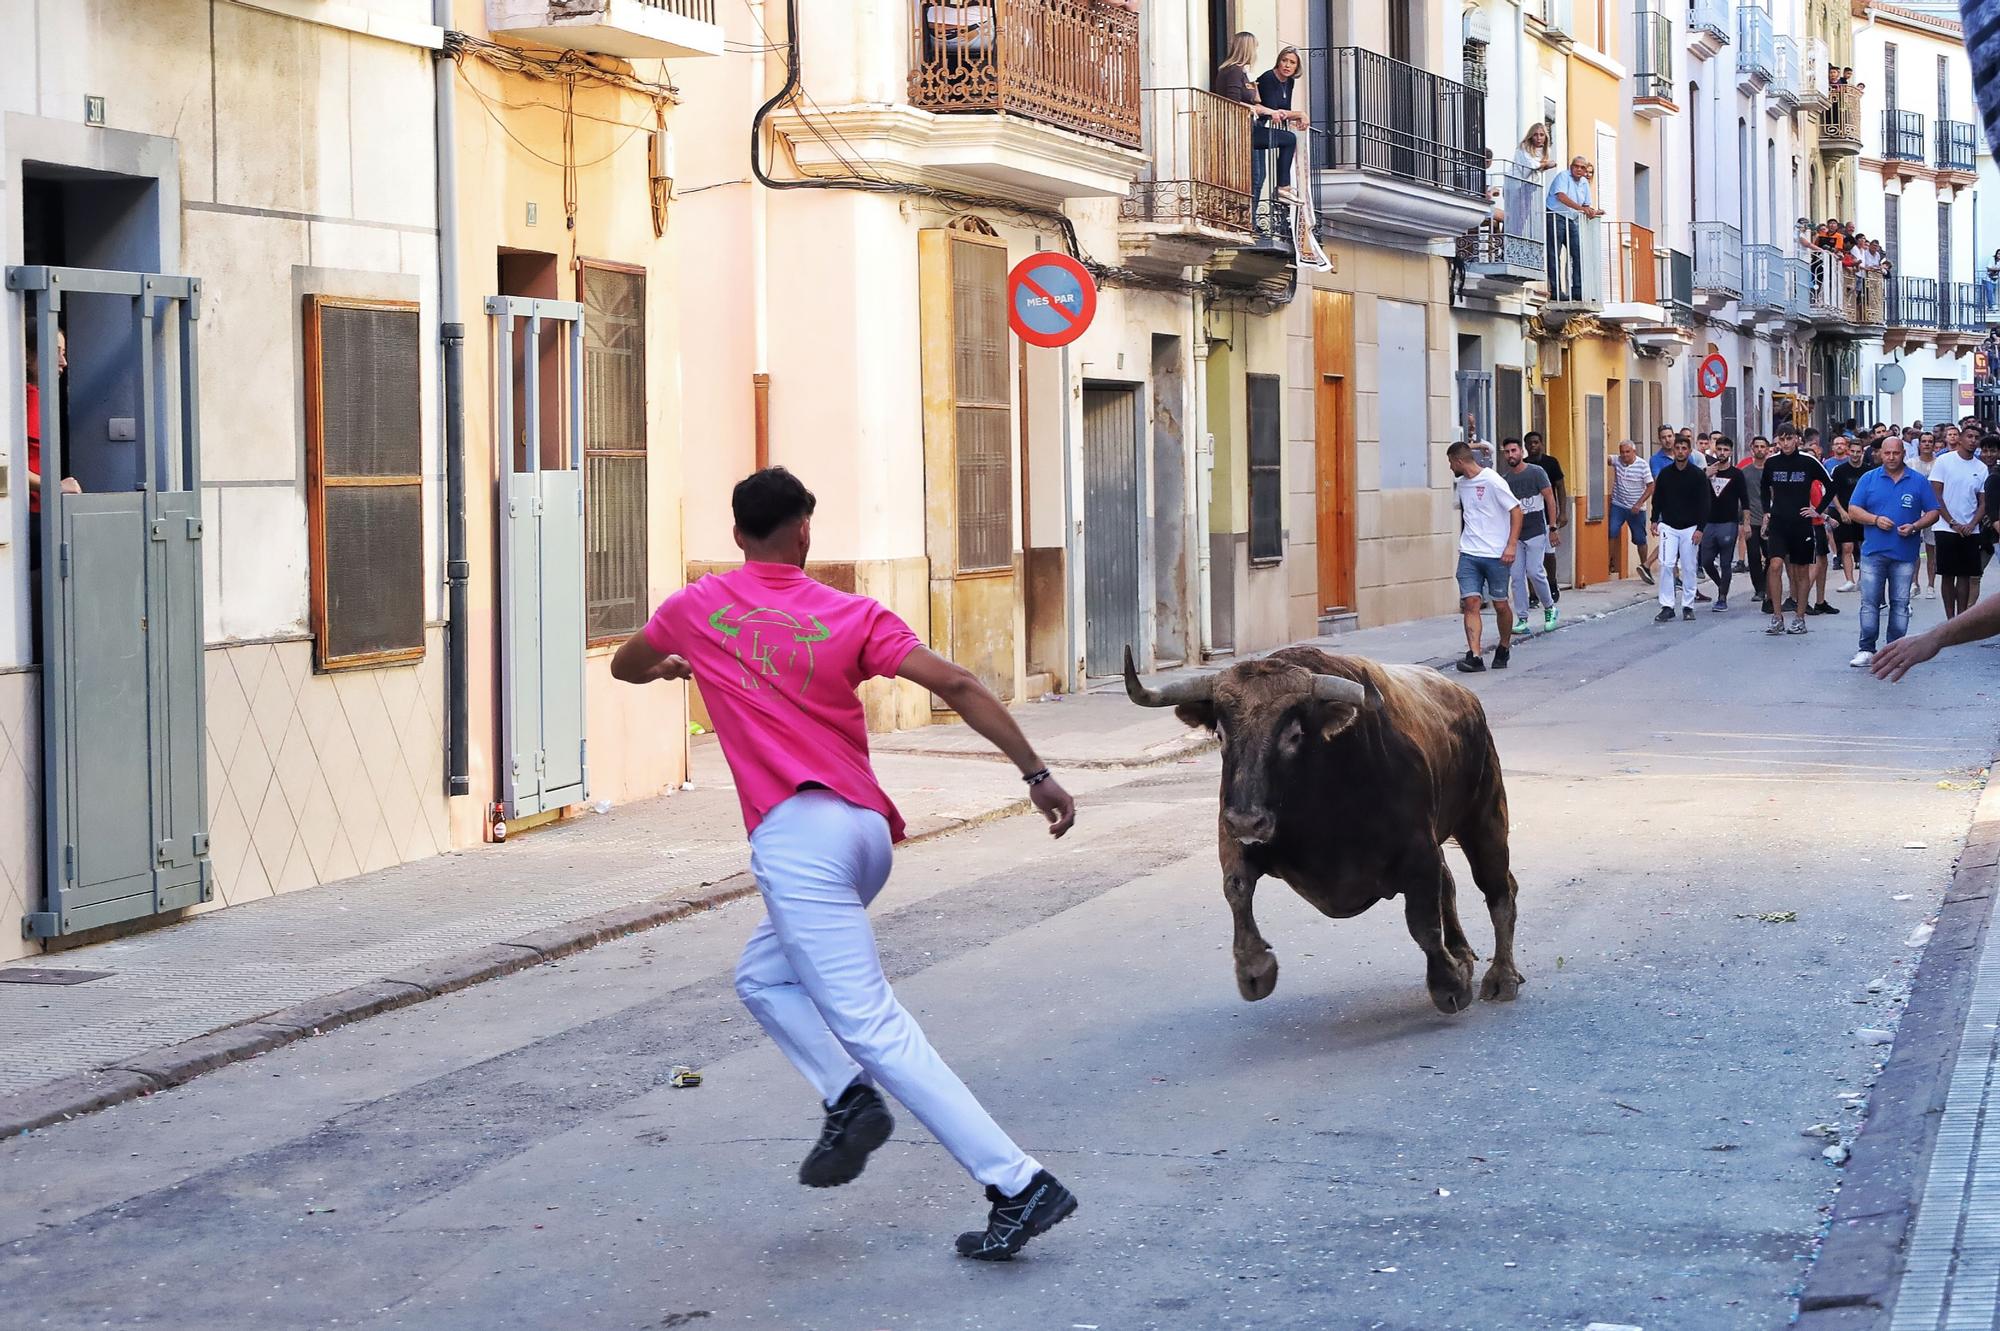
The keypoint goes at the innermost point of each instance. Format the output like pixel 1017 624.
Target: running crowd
pixel 1901 513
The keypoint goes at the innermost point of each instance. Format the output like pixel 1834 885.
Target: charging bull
pixel 1345 778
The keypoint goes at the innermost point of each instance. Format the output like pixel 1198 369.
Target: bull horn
pixel 1338 688
pixel 1195 688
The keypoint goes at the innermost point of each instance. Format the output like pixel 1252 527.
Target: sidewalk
pixel 181 1000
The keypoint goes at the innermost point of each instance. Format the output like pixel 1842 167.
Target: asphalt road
pixel 1621 1145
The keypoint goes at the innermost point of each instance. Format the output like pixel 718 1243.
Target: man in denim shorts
pixel 1488 538
pixel 1631 491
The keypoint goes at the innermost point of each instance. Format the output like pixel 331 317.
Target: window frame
pixel 1004 407
pixel 317 482
pixel 1273 470
pixel 581 264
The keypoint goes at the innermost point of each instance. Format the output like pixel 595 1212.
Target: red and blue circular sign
pixel 1712 376
pixel 1051 299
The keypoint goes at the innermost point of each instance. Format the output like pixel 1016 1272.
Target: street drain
pixel 43 975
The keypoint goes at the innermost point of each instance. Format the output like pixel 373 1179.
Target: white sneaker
pixel 1862 658
pixel 1930 592
pixel 1845 587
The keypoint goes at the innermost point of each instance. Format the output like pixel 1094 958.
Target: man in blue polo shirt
pixel 1892 505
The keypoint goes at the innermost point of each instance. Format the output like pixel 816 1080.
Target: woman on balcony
pixel 1274 93
pixel 1524 182
pixel 1233 81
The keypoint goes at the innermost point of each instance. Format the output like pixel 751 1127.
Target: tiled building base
pixel 311 778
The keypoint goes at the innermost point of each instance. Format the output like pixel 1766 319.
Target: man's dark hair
pixel 1725 443
pixel 766 500
pixel 1510 439
pixel 1790 431
pixel 1459 450
pixel 1530 436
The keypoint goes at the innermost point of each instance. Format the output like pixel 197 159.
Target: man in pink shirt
pixel 779 657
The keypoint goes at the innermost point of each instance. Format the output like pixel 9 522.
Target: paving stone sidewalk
pixel 225 985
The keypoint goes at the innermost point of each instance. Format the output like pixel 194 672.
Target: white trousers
pixel 811 976
pixel 1678 548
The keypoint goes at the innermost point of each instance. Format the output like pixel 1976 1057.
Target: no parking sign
pixel 1712 376
pixel 1050 299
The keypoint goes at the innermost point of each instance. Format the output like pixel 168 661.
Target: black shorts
pixel 1847 533
pixel 1957 556
pixel 1820 546
pixel 1792 542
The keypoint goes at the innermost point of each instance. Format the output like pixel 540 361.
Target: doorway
pixel 1111 556
pixel 1333 448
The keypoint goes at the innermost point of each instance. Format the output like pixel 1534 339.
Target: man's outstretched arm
pixel 637 661
pixel 1895 660
pixel 960 689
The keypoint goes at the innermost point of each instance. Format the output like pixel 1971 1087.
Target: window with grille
pixel 616 596
pixel 1267 494
pixel 1889 74
pixel 1944 247
pixel 984 418
pixel 364 481
pixel 1892 228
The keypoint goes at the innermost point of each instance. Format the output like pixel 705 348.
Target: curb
pixel 1853 1282
pixel 172 1065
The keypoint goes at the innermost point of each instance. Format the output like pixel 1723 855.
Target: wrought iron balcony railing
pixel 1756 41
pixel 1903 136
pixel 1840 119
pixel 1653 54
pixel 1073 64
pixel 1957 146
pixel 1198 152
pixel 1959 307
pixel 1518 237
pixel 1576 261
pixel 1913 302
pixel 1378 115
pixel 1711 17
pixel 1718 259
pixel 1764 279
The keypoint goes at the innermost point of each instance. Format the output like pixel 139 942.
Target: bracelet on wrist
pixel 1036 777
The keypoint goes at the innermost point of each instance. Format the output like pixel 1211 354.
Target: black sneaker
pixel 1741 567
pixel 1033 1211
pixel 1666 616
pixel 1501 655
pixel 1646 574
pixel 1701 596
pixel 1767 605
pixel 1790 605
pixel 1687 612
pixel 1721 604
pixel 857 1124
pixel 1825 609
pixel 1471 664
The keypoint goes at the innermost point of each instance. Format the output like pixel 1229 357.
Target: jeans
pixel 1718 555
pixel 1880 574
pixel 1565 238
pixel 811 977
pixel 1531 570
pixel 1263 138
pixel 1632 518
pixel 1677 553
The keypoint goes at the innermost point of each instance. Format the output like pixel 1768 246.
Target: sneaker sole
pixel 1063 1211
pixel 836 1168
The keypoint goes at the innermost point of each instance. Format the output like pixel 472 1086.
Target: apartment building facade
pixel 1922 158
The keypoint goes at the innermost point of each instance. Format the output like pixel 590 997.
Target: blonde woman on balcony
pixel 1232 80
pixel 1524 183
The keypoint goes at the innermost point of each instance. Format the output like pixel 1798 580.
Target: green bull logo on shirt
pixel 772 648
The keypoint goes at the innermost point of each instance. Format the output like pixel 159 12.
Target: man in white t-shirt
pixel 1959 478
pixel 1487 541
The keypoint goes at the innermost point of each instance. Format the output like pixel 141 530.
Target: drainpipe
pixel 760 290
pixel 451 338
pixel 1204 480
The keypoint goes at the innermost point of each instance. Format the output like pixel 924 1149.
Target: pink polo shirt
pixel 778 657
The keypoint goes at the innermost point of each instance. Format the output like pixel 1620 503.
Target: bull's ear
pixel 1335 717
pixel 1201 713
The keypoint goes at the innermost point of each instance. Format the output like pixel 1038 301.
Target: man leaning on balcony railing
pixel 1569 202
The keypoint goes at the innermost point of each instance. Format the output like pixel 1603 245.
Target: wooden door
pixel 1333 446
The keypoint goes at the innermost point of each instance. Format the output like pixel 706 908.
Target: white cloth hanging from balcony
pixel 1306 251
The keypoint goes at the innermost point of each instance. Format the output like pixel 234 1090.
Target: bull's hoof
pixel 1451 987
pixel 1500 986
pixel 1257 977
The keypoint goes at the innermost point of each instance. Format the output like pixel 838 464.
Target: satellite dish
pixel 1890 379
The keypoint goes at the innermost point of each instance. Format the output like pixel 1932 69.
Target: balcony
pixel 1707 28
pixel 1032 100
pixel 1840 123
pixel 1785 74
pixel 1957 153
pixel 1846 299
pixel 1194 197
pixel 1576 268
pixel 1756 49
pixel 1675 331
pixel 1718 265
pixel 1902 141
pixel 1396 150
pixel 1631 277
pixel 1653 62
pixel 1961 317
pixel 1813 75
pixel 1554 19
pixel 1502 255
pixel 628 29
pixel 1911 316
pixel 1766 298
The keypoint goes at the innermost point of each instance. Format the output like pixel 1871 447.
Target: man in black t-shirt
pixel 1790 504
pixel 1559 519
pixel 1725 514
pixel 1846 535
